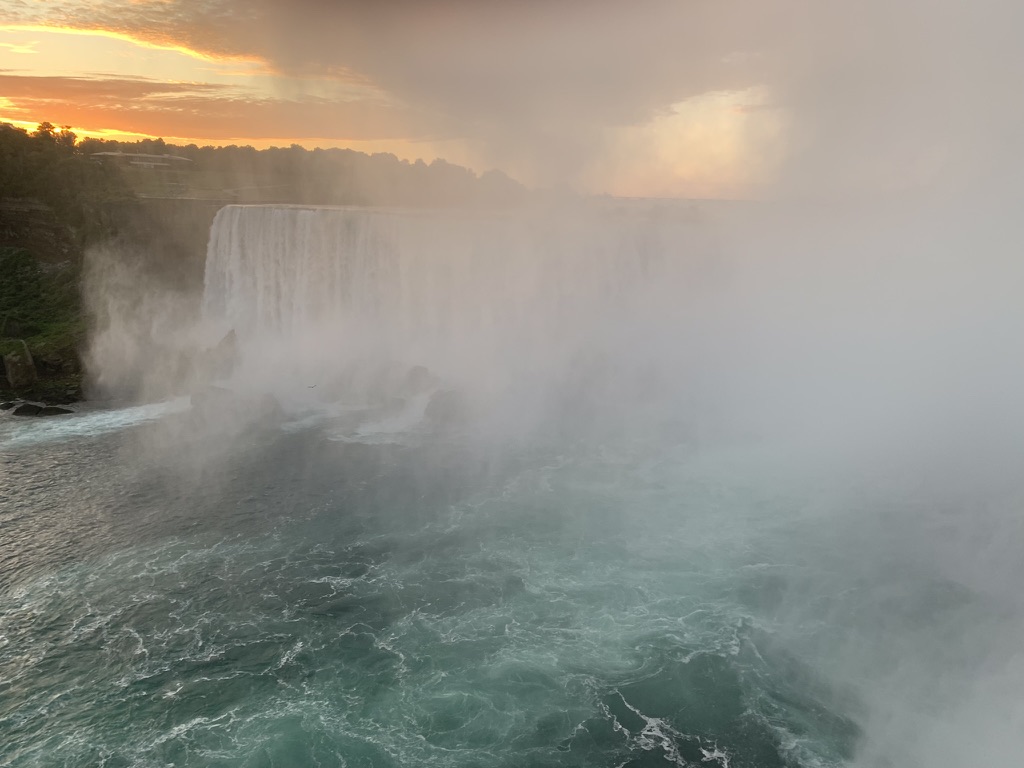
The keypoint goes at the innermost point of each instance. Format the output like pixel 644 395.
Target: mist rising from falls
pixel 857 367
pixel 859 326
pixel 506 308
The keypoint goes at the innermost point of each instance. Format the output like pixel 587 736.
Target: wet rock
pixel 223 357
pixel 7 406
pixel 447 408
pixel 206 365
pixel 384 381
pixel 268 408
pixel 27 409
pixel 53 410
pixel 19 368
pixel 418 379
pixel 56 364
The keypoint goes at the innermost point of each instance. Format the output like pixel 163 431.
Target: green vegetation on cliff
pixel 38 304
pixel 41 305
pixel 49 168
pixel 54 202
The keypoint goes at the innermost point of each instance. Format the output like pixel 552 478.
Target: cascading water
pixel 492 304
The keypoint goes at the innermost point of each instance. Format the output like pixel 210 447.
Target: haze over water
pixel 597 483
pixel 632 508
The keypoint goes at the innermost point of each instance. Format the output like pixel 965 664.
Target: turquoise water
pixel 287 599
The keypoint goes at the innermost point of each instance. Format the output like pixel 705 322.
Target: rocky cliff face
pixel 18 368
pixel 168 234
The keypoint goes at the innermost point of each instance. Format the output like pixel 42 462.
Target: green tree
pixel 21 292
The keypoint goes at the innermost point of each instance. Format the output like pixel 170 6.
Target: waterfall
pixel 486 301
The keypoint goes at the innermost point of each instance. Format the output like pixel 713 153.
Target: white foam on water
pixel 393 428
pixel 18 431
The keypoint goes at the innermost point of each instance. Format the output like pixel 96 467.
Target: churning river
pixel 317 589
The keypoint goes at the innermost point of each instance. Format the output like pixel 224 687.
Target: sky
pixel 664 98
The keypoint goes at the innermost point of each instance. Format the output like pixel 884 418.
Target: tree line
pixel 303 176
pixel 49 167
pixel 76 176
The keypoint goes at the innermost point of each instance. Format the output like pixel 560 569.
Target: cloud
pixel 536 83
pixel 193 110
pixel 27 48
pixel 600 60
pixel 906 95
pixel 872 93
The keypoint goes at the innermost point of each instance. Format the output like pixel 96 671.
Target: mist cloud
pixel 906 96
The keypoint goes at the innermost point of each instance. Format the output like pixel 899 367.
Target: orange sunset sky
pixel 604 98
pixel 653 97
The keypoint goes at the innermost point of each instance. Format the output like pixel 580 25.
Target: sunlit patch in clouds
pixel 72 52
pixel 20 47
pixel 542 91
pixel 139 41
pixel 738 136
pixel 137 88
pixel 602 95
